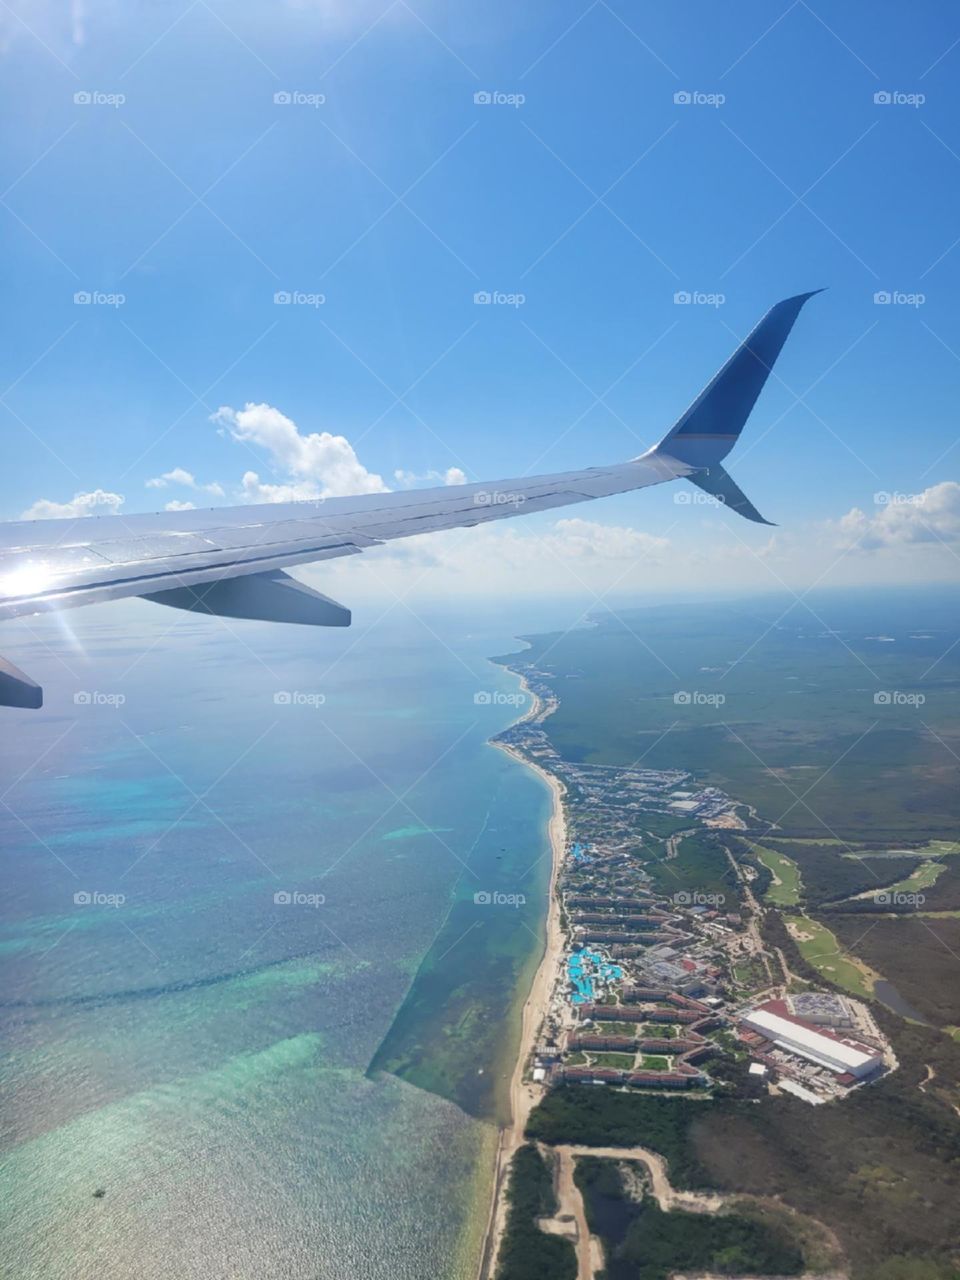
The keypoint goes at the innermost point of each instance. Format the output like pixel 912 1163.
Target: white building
pixel 772 1021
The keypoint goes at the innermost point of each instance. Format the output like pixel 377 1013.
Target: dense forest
pixel 641 1242
pixel 526 1252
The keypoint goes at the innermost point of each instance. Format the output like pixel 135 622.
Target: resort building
pixel 774 1022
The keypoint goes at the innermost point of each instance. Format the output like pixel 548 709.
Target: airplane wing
pixel 231 561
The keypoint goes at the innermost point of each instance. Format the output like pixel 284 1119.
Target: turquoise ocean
pixel 227 853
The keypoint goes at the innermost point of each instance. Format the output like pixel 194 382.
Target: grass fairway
pixel 820 948
pixel 784 891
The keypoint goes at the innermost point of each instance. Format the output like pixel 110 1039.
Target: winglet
pixel 721 485
pixel 709 429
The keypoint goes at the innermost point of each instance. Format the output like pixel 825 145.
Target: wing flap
pixel 264 597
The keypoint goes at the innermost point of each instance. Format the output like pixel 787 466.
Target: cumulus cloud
pixel 185 478
pixel 176 505
pixel 318 465
pixel 97 502
pixel 411 480
pixel 901 519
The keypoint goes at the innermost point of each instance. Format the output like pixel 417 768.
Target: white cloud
pixel 81 504
pixel 318 465
pixel 176 505
pixel 411 480
pixel 933 515
pixel 186 478
pixel 589 539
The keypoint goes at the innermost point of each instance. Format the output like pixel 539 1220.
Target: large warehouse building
pixel 774 1022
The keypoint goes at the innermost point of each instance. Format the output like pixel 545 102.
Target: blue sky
pixel 596 196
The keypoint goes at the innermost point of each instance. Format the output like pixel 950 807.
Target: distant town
pixel 660 990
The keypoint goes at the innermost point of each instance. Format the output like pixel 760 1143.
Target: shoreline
pixel 524 1095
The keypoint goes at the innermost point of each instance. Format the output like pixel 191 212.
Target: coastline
pixel 524 1095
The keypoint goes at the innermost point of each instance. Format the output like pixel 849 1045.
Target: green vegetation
pixel 616 1028
pixel 620 1061
pixel 939 882
pixel 784 889
pixel 653 1062
pixel 661 1030
pixel 701 866
pixel 644 1243
pixel 919 956
pixel 526 1252
pixel 882 1170
pixel 827 871
pixel 598 1117
pixel 820 948
pixel 795 710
